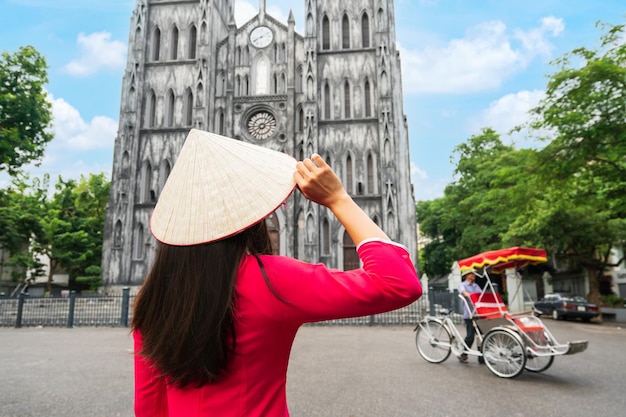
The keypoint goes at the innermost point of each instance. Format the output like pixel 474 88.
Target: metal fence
pixel 82 311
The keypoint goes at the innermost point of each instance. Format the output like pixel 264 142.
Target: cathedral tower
pixel 335 90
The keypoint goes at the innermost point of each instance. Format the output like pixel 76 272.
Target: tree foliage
pixel 64 226
pixel 25 112
pixel 567 197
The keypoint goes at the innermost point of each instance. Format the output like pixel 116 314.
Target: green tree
pixel 25 112
pixel 20 213
pixel 494 184
pixel 64 226
pixel 583 116
pixel 71 228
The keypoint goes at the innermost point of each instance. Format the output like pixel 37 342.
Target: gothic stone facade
pixel 335 90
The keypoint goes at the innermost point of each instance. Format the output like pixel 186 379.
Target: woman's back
pixel 267 318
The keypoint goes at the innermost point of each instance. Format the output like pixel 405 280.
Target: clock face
pixel 261 36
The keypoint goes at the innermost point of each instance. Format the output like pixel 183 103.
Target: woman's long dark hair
pixel 184 309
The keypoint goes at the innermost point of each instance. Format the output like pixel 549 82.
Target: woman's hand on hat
pixel 318 182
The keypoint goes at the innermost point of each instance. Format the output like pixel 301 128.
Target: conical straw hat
pixel 219 187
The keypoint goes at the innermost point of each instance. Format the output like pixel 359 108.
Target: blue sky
pixel 466 64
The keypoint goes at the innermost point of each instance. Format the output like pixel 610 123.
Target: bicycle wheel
pixel 433 341
pixel 538 363
pixel 504 355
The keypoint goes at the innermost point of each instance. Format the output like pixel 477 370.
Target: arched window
pixel 238 56
pixel 365 30
pixel 117 235
pixel 370 174
pixel 193 39
pixel 188 108
pixel 300 120
pixel 275 84
pixel 222 130
pixel 147 191
pixel 125 165
pixel 174 44
pixel 347 111
pixel 282 84
pixel 349 181
pixel 350 256
pixel 246 86
pixel 327 100
pixel 237 85
pixel 171 101
pixel 325 33
pixel 345 32
pixel 138 249
pixel 368 99
pixel 151 109
pixel 325 238
pixel 199 94
pixel 156 44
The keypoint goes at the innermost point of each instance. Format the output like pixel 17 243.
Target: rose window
pixel 262 125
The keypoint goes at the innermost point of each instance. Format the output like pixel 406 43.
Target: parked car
pixel 563 305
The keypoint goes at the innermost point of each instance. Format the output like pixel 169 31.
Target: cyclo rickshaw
pixel 507 342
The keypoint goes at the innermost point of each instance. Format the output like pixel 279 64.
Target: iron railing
pixel 90 311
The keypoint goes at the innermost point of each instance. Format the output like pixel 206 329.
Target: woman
pixel 216 317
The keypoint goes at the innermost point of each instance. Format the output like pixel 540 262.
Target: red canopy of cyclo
pixel 501 259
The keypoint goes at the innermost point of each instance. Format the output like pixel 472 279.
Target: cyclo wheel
pixel 433 341
pixel 538 363
pixel 504 354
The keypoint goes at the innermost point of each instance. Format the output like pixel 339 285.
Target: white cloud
pixel 508 112
pixel 534 41
pixel 98 52
pixel 74 134
pixel 480 61
pixel 79 147
pixel 424 188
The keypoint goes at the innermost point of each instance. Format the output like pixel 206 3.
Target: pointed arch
pixel 238 56
pixel 199 94
pixel 300 120
pixel 327 100
pixel 117 235
pixel 371 174
pixel 347 96
pixel 325 237
pixel 146 184
pixel 125 165
pixel 193 42
pixel 367 99
pixel 188 107
pixel 237 85
pixel 345 32
pixel 174 43
pixel 156 44
pixel 350 257
pixel 325 33
pixel 365 30
pixel 171 103
pixel 138 243
pixel 349 175
pixel 151 103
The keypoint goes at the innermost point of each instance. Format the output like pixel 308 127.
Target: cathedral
pixel 335 90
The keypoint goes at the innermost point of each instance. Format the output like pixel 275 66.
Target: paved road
pixel 334 372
